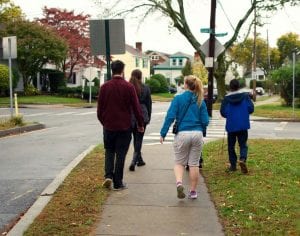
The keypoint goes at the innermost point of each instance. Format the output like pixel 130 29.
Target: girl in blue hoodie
pixel 190 109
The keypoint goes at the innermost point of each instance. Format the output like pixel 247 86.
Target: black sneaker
pixel 141 163
pixel 122 187
pixel 243 166
pixel 230 169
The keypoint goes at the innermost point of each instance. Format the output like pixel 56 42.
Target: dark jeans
pixel 116 144
pixel 242 137
pixel 137 142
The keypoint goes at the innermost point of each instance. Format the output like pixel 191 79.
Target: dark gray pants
pixel 116 144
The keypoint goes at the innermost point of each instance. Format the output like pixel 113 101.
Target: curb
pixel 46 196
pixel 22 129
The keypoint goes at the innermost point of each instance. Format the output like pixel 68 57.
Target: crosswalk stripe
pixel 37 114
pixel 85 113
pixel 64 113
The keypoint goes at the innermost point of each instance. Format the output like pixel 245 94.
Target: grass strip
pixel 264 202
pixel 277 111
pixel 77 203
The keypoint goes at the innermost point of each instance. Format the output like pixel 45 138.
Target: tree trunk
pixel 220 73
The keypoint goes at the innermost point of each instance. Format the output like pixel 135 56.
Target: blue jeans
pixel 242 137
pixel 116 144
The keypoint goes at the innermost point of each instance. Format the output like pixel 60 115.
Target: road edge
pixel 46 196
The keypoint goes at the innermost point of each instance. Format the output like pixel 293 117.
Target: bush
pixel 86 92
pixel 30 90
pixel 154 85
pixel 4 79
pixel 70 91
pixel 163 82
pixel 284 78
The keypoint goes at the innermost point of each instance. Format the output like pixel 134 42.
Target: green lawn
pixel 276 111
pixel 43 99
pixel 264 202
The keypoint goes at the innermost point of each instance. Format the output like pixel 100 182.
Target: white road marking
pixel 85 113
pixel 281 126
pixel 21 195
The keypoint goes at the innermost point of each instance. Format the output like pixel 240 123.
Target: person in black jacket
pixel 144 95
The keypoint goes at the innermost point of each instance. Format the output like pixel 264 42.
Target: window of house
pixel 145 62
pixel 154 57
pixel 137 62
pixel 72 79
pixel 173 62
pixel 180 62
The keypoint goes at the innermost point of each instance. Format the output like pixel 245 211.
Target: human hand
pixel 161 139
pixel 141 129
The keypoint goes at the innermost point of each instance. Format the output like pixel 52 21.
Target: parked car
pixel 260 90
pixel 172 89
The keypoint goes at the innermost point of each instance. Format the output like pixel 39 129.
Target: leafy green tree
pixel 37 46
pixel 9 11
pixel 284 78
pixel 175 11
pixel 286 44
pixel 187 69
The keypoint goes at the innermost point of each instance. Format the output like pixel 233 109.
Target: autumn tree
pixel 175 11
pixel 199 70
pixel 75 30
pixel 36 46
pixel 242 54
pixel 9 11
pixel 286 44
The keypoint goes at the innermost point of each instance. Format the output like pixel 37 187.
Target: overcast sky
pixel 155 34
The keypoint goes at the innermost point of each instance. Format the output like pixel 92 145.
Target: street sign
pixel 206 30
pixel 116 36
pixel 90 73
pixel 209 62
pixel 221 34
pixel 9 47
pixel 219 48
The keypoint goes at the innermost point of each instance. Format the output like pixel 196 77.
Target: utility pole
pixel 211 54
pixel 254 55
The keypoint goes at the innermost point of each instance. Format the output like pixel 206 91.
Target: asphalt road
pixel 30 161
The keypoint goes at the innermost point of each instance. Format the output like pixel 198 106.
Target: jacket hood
pixel 236 97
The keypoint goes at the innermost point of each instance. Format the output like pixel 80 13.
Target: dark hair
pixel 117 67
pixel 136 80
pixel 234 85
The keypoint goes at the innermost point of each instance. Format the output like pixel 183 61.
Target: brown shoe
pixel 243 167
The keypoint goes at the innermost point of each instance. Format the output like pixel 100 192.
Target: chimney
pixel 196 56
pixel 138 46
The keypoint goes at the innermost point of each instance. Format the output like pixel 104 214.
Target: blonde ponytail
pixel 195 85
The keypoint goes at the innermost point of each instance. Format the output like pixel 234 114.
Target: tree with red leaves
pixel 75 30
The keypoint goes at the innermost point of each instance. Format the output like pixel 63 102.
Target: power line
pixel 219 2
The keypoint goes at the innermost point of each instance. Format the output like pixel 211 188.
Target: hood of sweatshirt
pixel 236 97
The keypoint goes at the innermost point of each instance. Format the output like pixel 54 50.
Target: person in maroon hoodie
pixel 117 99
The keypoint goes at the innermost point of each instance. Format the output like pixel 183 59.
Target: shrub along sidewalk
pixel 264 202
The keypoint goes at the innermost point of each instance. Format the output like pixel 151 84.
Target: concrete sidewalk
pixel 150 205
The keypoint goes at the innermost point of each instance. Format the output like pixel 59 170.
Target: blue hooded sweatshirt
pixel 236 108
pixel 195 118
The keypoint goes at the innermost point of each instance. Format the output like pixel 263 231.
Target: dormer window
pixel 180 62
pixel 173 62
